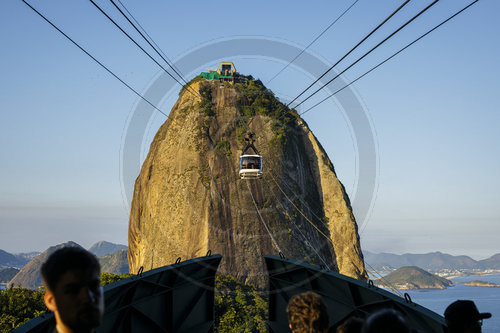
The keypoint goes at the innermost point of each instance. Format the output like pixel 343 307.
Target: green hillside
pixel 412 277
pixel 104 248
pixel 6 274
pixel 115 263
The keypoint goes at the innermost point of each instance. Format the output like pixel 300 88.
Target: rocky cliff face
pixel 188 197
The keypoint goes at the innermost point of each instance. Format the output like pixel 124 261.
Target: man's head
pixel 73 289
pixel 386 321
pixel 463 316
pixel 307 313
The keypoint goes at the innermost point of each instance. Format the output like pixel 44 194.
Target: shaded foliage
pixel 6 274
pixel 18 305
pixel 239 307
pixel 107 278
pixel 206 103
pixel 255 99
pixel 224 146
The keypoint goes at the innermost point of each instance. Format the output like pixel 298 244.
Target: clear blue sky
pixel 434 109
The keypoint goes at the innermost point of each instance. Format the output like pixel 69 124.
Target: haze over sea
pixel 486 299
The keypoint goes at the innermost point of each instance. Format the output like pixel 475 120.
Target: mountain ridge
pixel 432 261
pixel 104 248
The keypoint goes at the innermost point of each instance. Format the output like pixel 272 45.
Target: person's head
pixel 386 321
pixel 462 316
pixel 307 313
pixel 351 325
pixel 71 276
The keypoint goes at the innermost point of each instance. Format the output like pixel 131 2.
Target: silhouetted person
pixel 462 316
pixel 307 313
pixel 71 276
pixel 351 325
pixel 386 321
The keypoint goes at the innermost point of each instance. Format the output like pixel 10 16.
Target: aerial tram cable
pixel 371 50
pixel 392 56
pixel 286 107
pixel 373 272
pixel 142 49
pixel 284 182
pixel 150 38
pixel 97 61
pixel 165 59
pixel 311 43
pixel 297 208
pixel 262 219
pixel 305 241
pixel 354 48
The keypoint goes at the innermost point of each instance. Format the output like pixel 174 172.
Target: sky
pixel 432 111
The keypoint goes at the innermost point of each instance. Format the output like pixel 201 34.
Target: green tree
pixel 107 278
pixel 18 305
pixel 239 307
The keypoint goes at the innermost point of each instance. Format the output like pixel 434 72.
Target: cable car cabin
pixel 250 166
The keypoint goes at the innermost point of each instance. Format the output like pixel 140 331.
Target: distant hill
pixel 28 255
pixel 115 263
pixel 29 276
pixel 6 274
pixel 104 248
pixel 412 277
pixel 479 283
pixel 492 262
pixel 433 261
pixel 11 260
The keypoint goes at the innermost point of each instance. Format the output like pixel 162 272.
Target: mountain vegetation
pixel 18 305
pixel 11 260
pixel 412 277
pixel 239 307
pixel 6 274
pixel 115 263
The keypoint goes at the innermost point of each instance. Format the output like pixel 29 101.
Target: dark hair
pixel 307 313
pixel 351 325
pixel 386 321
pixel 64 260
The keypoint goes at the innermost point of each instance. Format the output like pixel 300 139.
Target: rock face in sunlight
pixel 188 197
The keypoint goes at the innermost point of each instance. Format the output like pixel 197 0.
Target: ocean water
pixel 486 299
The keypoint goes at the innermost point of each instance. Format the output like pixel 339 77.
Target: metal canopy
pixel 175 298
pixel 344 296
